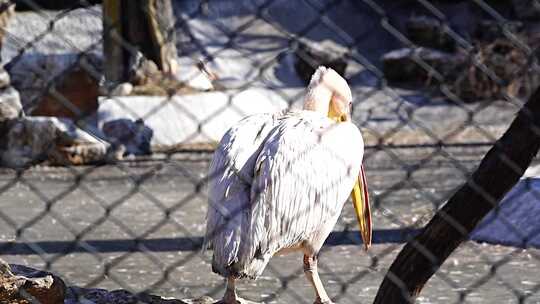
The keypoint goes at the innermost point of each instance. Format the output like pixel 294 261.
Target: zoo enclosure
pixel 427 85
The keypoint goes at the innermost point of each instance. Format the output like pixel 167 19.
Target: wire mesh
pixel 113 193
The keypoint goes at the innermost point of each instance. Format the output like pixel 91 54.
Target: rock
pixel 429 32
pixel 144 70
pixel 30 140
pixel 135 136
pixel 326 53
pixel 526 9
pixel 59 85
pixel 489 30
pixel 76 295
pixel 7 11
pixel 62 44
pixel 5 269
pixel 531 30
pixel 102 296
pixel 180 121
pixel 123 89
pixel 513 74
pixel 5 80
pixel 10 104
pixel 24 285
pixel 73 95
pixel 404 65
pixel 516 73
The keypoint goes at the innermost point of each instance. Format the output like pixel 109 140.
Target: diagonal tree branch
pixel 498 172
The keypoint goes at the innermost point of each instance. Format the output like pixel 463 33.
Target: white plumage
pixel 278 182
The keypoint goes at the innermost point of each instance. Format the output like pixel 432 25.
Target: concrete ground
pixel 139 226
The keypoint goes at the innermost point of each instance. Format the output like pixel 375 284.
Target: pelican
pixel 278 182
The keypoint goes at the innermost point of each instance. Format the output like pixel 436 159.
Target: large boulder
pixel 527 9
pixel 7 11
pixel 135 136
pixel 30 140
pixel 420 65
pixel 5 80
pixel 429 32
pixel 23 285
pixel 73 95
pixel 490 30
pixel 10 101
pixel 49 58
pixel 10 104
pixel 309 56
pixel 512 73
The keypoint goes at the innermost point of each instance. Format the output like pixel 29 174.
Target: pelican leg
pixel 230 296
pixel 310 269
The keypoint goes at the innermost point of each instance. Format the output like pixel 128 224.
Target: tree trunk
pixel 131 26
pixel 498 172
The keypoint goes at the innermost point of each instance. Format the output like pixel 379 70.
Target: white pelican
pixel 278 183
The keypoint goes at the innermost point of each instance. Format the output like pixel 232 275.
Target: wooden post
pixel 132 26
pixel 112 45
pixel 498 172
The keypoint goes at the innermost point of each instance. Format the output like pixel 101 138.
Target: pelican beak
pixel 360 199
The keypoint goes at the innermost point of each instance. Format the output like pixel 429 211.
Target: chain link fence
pixel 105 181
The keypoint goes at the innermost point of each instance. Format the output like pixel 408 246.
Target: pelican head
pixel 329 93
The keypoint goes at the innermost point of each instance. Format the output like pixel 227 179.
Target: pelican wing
pixel 230 178
pixel 303 175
